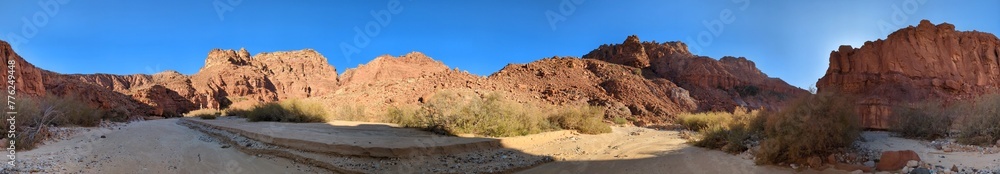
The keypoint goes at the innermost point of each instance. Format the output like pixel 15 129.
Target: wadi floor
pixel 173 146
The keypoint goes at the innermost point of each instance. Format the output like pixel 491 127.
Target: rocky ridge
pixel 647 82
pixel 716 84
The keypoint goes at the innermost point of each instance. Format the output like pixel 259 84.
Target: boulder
pixel 896 160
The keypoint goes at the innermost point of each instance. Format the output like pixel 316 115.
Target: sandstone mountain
pixel 647 82
pixel 716 84
pixel 925 62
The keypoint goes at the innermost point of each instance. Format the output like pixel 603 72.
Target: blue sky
pixel 791 40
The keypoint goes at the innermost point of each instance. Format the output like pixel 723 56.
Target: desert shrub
pixel 36 114
pixel 619 120
pixel 813 125
pixel 350 113
pixel 982 123
pixel 729 132
pixel 292 110
pixel 461 112
pixel 586 119
pixel 698 121
pixel 238 112
pixel 207 114
pixel 923 120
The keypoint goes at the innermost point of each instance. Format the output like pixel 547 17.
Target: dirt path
pixel 158 146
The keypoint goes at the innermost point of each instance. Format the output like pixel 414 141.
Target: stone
pixel 857 172
pixel 912 163
pixel 920 171
pixel 815 162
pixel 914 64
pixel 954 168
pixel 895 160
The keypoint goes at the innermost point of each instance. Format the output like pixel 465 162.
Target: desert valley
pixel 922 100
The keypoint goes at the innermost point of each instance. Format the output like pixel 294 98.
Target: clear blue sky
pixel 791 40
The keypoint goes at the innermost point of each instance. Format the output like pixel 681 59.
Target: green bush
pixel 813 125
pixel 923 120
pixel 293 110
pixel 982 123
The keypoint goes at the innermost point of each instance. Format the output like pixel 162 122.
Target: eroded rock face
pixel 31 81
pixel 925 62
pixel 392 68
pixel 717 84
pixel 629 53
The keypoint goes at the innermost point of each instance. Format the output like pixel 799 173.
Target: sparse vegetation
pixel 982 123
pixel 619 120
pixel 350 113
pixel 586 119
pixel 293 110
pixel 923 121
pixel 207 114
pixel 814 125
pixel 730 132
pixel 239 112
pixel 36 115
pixel 455 112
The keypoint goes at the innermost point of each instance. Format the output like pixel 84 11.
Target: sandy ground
pixel 630 150
pixel 163 146
pixel 158 146
pixel 882 141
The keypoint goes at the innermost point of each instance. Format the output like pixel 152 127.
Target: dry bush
pixel 350 113
pixel 699 121
pixel 239 112
pixel 813 125
pixel 460 112
pixel 206 113
pixel 35 115
pixel 586 119
pixel 292 110
pixel 982 125
pixel 730 132
pixel 927 121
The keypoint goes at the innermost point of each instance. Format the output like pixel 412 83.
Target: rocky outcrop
pixel 234 77
pixel 392 68
pixel 716 84
pixel 916 63
pixel 629 53
pixel 30 81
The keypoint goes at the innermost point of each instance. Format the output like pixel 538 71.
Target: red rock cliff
pixel 925 62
